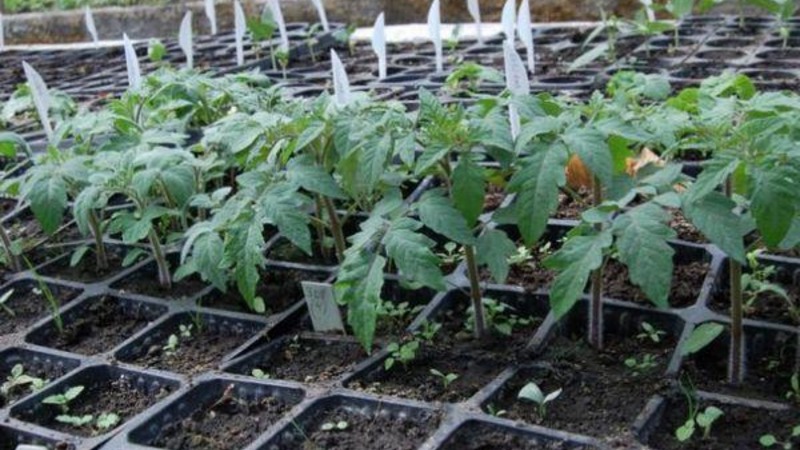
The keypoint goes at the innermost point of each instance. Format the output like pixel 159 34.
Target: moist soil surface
pixel 310 360
pixel 687 281
pixel 29 304
pixel 363 431
pixel 229 424
pixel 86 270
pixel 767 305
pixel 739 428
pixel 685 230
pixel 202 351
pixel 484 437
pixel 601 395
pixel 145 282
pixel 452 351
pixel 280 289
pixel 283 250
pixel 117 396
pixel 101 327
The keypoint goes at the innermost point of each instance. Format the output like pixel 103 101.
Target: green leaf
pixel 468 190
pixel 537 185
pixel 48 197
pixel 132 256
pixel 78 255
pixel 642 236
pixel 772 204
pixel 685 432
pixel 250 259
pixel 438 213
pixel 767 440
pixel 412 254
pixel 701 337
pixel 179 183
pixel 591 147
pixel 313 178
pixel 493 250
pixel 713 215
pixel 363 314
pixel 587 58
pixel 207 254
pixel 137 231
pixel 575 261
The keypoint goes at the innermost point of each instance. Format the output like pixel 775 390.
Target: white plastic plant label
pixel 516 81
pixel 508 19
pixel 240 27
pixel 379 45
pixel 41 97
pixel 323 16
pixel 322 306
pixel 211 13
pixel 185 39
pixel 2 34
pixel 341 85
pixel 435 32
pixel 90 26
pixel 648 9
pixel 474 9
pixel 134 72
pixel 277 15
pixel 525 32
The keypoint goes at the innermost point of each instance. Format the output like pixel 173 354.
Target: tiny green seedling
pixel 451 255
pixel 282 57
pixel 532 392
pixel 490 408
pixel 174 340
pixel 769 440
pixel 647 363
pixel 62 400
pixel 650 332
pixel 499 316
pixel 17 379
pixel 757 283
pixel 446 379
pixel 334 426
pixel 4 308
pixel 53 303
pixel 156 51
pixel 704 420
pixel 402 353
pixel 794 392
pixel 260 374
pixel 428 330
pixel 522 256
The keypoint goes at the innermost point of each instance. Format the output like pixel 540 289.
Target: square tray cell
pixel 43 367
pixel 28 304
pixel 476 434
pixel 141 281
pixel 11 438
pixel 86 270
pixel 189 343
pixel 343 422
pixel 106 390
pixel 217 414
pixel 97 324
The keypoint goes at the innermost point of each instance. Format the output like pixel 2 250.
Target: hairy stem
pixel 596 305
pixel 336 229
pixel 475 292
pixel 736 369
pixel 164 277
pixel 100 248
pixel 13 259
pixel 320 226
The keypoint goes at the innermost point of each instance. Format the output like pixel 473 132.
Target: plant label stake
pixel 322 307
pixel 516 82
pixel 379 45
pixel 185 39
pixel 475 11
pixel 240 27
pixel 648 9
pixel 341 85
pixel 323 17
pixel 277 15
pixel 90 26
pixel 524 30
pixel 211 13
pixel 434 30
pixel 41 97
pixel 508 19
pixel 134 73
pixel 2 34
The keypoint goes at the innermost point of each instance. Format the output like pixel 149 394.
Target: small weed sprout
pixel 18 378
pixel 283 59
pixel 103 422
pixel 174 340
pixel 650 332
pixel 451 255
pixel 402 353
pixel 499 317
pixel 260 374
pixel 647 363
pixel 334 426
pixel 490 408
pixel 532 392
pixel 428 330
pixel 769 440
pixel 62 400
pixel 446 379
pixel 757 283
pixel 522 256
pixel 4 308
pixel 696 418
pixel 52 302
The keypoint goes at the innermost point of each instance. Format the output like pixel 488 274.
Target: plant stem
pixel 320 226
pixel 736 369
pixel 13 259
pixel 164 277
pixel 336 229
pixel 596 305
pixel 100 248
pixel 475 292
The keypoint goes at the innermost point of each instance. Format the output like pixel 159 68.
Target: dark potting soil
pixel 687 281
pixel 29 304
pixel 311 360
pixel 86 270
pixel 283 250
pixel 601 395
pixel 452 351
pixel 494 198
pixel 767 306
pixel 280 289
pixel 202 351
pixel 685 230
pixel 229 424
pixel 484 437
pixel 363 432
pixel 101 327
pixel 571 207
pixel 118 396
pixel 145 282
pixel 739 428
